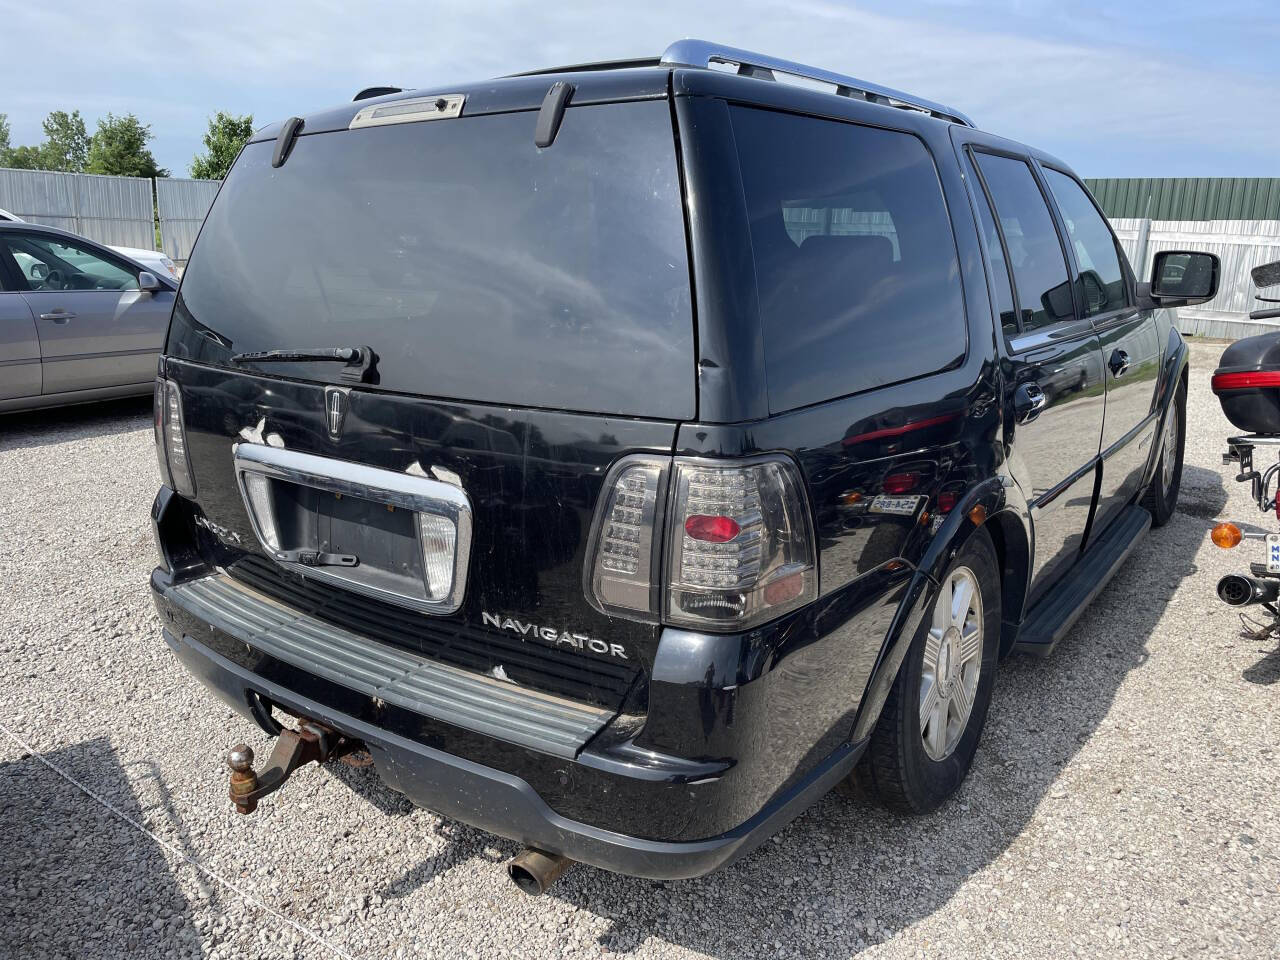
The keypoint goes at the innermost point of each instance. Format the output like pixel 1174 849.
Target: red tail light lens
pixel 947 501
pixel 712 529
pixel 896 483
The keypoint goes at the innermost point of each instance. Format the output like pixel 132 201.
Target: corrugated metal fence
pixel 182 205
pixel 1189 198
pixel 117 211
pixel 1241 245
pixel 111 210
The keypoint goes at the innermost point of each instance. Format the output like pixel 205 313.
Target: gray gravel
pixel 1122 803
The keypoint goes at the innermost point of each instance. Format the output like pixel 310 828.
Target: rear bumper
pixel 501 802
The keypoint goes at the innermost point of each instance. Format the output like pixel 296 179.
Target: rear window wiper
pixel 360 361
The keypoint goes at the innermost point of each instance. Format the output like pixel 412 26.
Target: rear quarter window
pixel 856 266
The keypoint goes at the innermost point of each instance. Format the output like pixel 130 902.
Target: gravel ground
pixel 1121 803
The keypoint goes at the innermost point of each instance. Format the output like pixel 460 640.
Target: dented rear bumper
pixel 498 801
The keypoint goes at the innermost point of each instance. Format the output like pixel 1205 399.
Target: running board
pixel 1053 616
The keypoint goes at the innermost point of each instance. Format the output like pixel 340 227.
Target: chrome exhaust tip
pixel 534 871
pixel 1238 590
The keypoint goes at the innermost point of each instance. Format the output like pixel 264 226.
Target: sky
pixel 1118 88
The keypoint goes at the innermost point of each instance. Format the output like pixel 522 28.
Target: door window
pixel 1102 282
pixel 856 265
pixel 1035 254
pixel 49 263
pixel 999 264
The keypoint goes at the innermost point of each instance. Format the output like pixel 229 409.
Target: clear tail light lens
pixel 439 539
pixel 262 507
pixel 171 439
pixel 740 546
pixel 623 571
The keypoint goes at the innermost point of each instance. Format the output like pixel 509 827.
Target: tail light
pixel 171 439
pixel 739 542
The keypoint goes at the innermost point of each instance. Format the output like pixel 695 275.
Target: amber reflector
pixel 978 515
pixel 1225 535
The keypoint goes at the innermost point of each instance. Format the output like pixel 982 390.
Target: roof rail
pixel 701 53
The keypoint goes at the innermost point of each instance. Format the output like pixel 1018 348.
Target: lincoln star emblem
pixel 336 404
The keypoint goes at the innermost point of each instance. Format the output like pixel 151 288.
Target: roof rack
pixel 701 53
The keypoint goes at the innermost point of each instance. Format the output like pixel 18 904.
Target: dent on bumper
pixel 504 804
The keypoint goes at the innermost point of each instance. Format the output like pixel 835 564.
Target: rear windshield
pixel 476 265
pixel 856 264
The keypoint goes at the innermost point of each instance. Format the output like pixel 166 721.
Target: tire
pixel 905 772
pixel 1161 496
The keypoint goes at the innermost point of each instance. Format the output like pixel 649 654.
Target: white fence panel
pixel 1240 244
pixel 182 205
pixel 110 210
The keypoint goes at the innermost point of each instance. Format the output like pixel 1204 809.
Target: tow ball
pixel 311 742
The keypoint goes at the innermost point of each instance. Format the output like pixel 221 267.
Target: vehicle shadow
pixel 848 874
pixel 75 879
pixel 38 428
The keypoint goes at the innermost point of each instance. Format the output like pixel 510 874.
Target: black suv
pixel 622 456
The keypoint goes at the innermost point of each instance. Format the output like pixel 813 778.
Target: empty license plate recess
pixel 400 537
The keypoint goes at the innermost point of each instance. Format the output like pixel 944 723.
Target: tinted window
pixel 995 255
pixel 1102 284
pixel 855 260
pixel 476 265
pixel 1039 270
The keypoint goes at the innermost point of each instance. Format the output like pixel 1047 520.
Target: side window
pixel 855 260
pixel 49 263
pixel 1039 269
pixel 1102 283
pixel 995 254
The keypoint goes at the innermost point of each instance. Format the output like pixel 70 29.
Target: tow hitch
pixel 293 749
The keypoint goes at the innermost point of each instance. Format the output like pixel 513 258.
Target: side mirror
pixel 149 282
pixel 39 270
pixel 1180 278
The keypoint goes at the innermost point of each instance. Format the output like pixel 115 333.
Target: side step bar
pixel 1051 618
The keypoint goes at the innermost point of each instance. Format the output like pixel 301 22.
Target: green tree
pixel 226 135
pixel 25 158
pixel 66 145
pixel 4 137
pixel 119 147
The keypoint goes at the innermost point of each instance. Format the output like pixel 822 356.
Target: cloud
pixel 1100 104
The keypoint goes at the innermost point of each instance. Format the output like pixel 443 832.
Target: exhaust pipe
pixel 1241 591
pixel 534 871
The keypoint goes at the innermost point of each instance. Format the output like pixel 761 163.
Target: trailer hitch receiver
pixel 311 742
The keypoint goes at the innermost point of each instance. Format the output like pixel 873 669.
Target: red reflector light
pixel 712 529
pixel 901 482
pixel 784 589
pixel 1245 380
pixel 947 500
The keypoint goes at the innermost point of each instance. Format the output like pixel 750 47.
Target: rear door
pixel 96 328
pixel 1131 346
pixel 19 344
pixel 1054 377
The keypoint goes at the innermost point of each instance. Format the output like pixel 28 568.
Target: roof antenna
pixel 551 113
pixel 284 140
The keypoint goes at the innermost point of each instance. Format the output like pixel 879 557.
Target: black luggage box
pixel 1248 383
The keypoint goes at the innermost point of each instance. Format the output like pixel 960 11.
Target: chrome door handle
pixel 1028 401
pixel 59 317
pixel 1119 363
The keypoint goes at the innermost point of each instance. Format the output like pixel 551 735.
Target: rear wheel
pixel 928 732
pixel 1162 495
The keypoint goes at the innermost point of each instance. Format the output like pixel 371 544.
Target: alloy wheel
pixel 952 664
pixel 1169 448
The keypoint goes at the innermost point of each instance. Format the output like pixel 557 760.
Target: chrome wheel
pixel 1169 449
pixel 952 664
